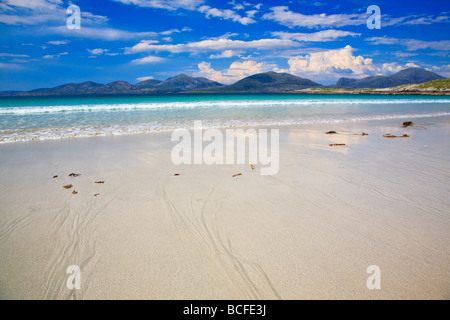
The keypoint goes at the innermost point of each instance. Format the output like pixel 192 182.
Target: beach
pixel 156 230
pixel 212 157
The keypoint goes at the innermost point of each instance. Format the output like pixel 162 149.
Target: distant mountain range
pixel 407 76
pixel 180 83
pixel 262 82
pixel 270 82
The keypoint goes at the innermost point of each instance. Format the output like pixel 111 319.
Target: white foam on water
pixel 29 110
pixel 10 136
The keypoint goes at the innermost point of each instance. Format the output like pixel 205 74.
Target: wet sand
pixel 309 232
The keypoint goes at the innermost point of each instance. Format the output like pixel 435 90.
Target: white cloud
pixel 414 19
pixel 9 66
pixel 147 60
pixel 55 56
pixel 144 78
pixel 197 5
pixel 251 13
pixel 390 68
pixel 402 54
pixel 246 68
pixel 241 6
pixel 284 16
pixel 320 36
pixel 58 42
pixel 224 36
pixel 224 54
pixel 412 44
pixel 236 6
pixel 108 34
pixel 98 52
pixel 383 40
pixel 90 18
pixel 412 65
pixel 17 19
pixel 227 14
pixel 50 16
pixel 216 45
pixel 33 4
pixel 169 32
pixel 443 70
pixel 329 65
pixel 235 72
pixel 206 71
pixel 18 60
pixel 331 62
pixel 13 55
pixel 40 12
pixel 164 4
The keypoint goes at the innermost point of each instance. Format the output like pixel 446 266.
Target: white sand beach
pixel 309 232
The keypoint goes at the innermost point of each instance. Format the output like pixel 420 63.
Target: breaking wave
pixel 31 110
pixel 19 135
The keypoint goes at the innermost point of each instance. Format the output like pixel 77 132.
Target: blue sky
pixel 133 40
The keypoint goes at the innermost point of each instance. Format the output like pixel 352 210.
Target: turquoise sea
pixel 41 118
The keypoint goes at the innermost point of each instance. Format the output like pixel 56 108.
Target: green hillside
pixel 438 84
